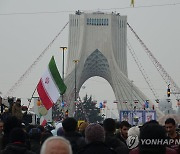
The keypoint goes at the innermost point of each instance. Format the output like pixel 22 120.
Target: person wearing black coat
pixel 76 140
pixel 97 148
pixel 95 137
pixel 17 143
pixel 111 139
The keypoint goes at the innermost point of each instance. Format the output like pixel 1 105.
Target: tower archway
pixel 101 50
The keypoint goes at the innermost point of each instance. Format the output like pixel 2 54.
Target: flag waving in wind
pixel 50 85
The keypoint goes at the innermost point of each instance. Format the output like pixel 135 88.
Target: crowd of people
pixel 108 137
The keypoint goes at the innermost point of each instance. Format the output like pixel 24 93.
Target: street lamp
pixel 75 93
pixel 63 49
pixel 131 95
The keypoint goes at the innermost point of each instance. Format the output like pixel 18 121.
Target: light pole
pixel 75 93
pixel 63 49
pixel 131 95
pixel 132 102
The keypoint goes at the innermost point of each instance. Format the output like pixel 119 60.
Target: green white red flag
pixel 50 85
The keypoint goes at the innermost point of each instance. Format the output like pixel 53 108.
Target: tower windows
pixel 97 22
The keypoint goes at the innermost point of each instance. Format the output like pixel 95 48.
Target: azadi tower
pixel 98 41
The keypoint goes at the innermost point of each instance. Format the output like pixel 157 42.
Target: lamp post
pixel 132 102
pixel 75 86
pixel 131 95
pixel 63 49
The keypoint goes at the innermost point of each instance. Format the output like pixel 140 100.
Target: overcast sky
pixel 28 26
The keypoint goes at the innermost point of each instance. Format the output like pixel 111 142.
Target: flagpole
pixel 31 97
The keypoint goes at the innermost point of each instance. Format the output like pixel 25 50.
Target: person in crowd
pixel 82 128
pixel 1 133
pixel 60 131
pixel 10 123
pixel 1 127
pixel 123 131
pixel 178 128
pixel 133 137
pixel 2 106
pixel 56 145
pixel 16 144
pixel 170 126
pixel 44 136
pixel 42 129
pixel 29 127
pixel 5 114
pixel 152 140
pixel 35 136
pixel 16 109
pixel 95 139
pixel 70 133
pixel 111 140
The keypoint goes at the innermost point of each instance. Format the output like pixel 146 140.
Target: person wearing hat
pixel 95 139
pixel 82 128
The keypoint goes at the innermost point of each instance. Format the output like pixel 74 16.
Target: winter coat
pixel 76 139
pixel 112 141
pixel 97 148
pixel 119 136
pixel 16 148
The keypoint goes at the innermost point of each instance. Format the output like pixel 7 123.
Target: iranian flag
pixel 50 85
pixel 43 121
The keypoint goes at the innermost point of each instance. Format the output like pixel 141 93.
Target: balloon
pixel 42 110
pixel 38 103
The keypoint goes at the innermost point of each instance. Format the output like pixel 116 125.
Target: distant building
pixel 165 105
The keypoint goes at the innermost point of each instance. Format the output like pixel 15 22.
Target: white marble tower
pixel 98 40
